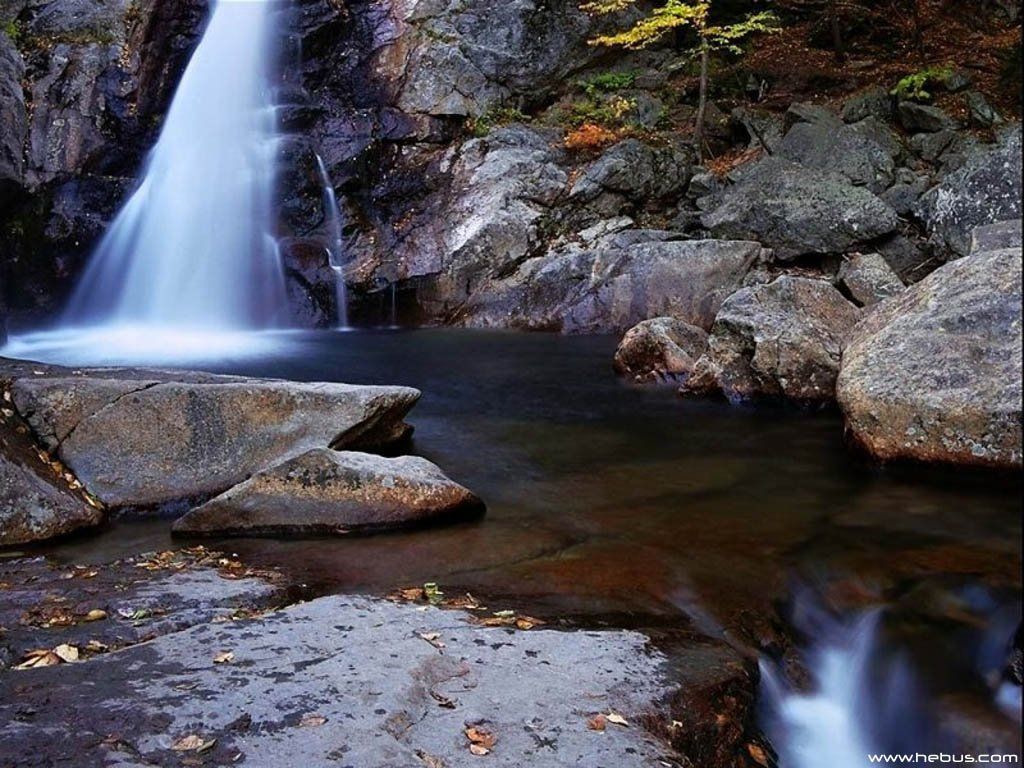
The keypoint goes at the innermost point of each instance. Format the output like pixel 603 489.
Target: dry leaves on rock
pixel 616 719
pixel 312 720
pixel 433 638
pixel 481 740
pixel 597 723
pixel 429 760
pixel 224 657
pixel 193 743
pixel 43 657
pixel 96 614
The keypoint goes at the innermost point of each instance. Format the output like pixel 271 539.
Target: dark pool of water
pixel 604 497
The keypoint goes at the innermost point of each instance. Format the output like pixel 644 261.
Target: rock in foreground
pixel 935 374
pixel 141 442
pixel 36 501
pixel 359 682
pixel 325 491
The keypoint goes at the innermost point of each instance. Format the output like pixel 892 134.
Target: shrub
pixel 914 86
pixel 590 138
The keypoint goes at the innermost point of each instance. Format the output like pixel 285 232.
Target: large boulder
pixel 633 169
pixel 663 348
pixel 460 57
pixel 38 501
pixel 796 210
pixel 139 442
pixel 627 277
pixel 986 189
pixel 865 152
pixel 13 119
pixel 935 374
pixel 325 491
pixel 780 339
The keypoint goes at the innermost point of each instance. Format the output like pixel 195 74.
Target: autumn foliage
pixel 590 137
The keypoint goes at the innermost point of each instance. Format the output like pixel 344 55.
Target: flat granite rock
pixel 325 491
pixel 342 681
pixel 138 440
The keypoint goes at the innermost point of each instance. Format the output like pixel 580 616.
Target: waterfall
pixel 193 245
pixel 336 245
pixel 864 695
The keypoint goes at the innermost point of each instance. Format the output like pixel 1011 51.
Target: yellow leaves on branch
pixel 675 14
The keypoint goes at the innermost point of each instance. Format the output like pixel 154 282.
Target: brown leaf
pixel 758 754
pixel 434 638
pixel 39 658
pixel 597 723
pixel 312 720
pixel 429 760
pixel 481 737
pixel 224 657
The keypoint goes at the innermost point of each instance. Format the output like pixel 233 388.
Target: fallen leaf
pixel 193 743
pixel 224 657
pixel 65 652
pixel 480 737
pixel 433 638
pixel 442 700
pixel 433 594
pixel 479 750
pixel 96 646
pixel 758 754
pixel 429 760
pixel 96 614
pixel 597 723
pixel 39 658
pixel 312 720
pixel 505 614
pixel 616 719
pixel 528 622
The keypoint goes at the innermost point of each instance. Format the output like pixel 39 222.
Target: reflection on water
pixel 604 497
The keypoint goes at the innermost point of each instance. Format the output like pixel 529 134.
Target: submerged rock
pixel 139 442
pixel 796 210
pixel 662 348
pixel 783 339
pixel 935 374
pixel 325 491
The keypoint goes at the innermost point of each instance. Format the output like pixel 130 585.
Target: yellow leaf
pixel 96 614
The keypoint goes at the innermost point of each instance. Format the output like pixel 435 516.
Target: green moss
pixel 13 31
pixel 493 118
pixel 607 82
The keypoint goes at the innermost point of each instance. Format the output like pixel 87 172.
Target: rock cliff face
pixel 83 88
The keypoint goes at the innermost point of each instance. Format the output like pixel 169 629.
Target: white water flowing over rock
pixel 192 246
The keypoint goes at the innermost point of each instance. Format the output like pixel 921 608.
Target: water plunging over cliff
pixel 192 247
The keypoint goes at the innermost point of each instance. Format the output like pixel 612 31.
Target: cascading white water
pixel 824 726
pixel 192 248
pixel 865 696
pixel 336 245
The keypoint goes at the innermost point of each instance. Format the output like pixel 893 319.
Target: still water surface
pixel 605 498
